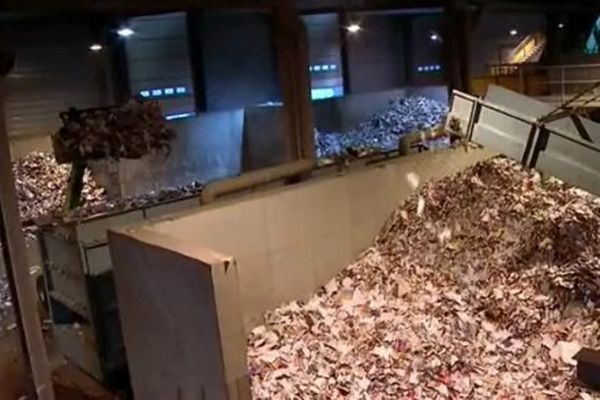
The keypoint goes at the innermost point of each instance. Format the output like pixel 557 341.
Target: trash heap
pixel 383 130
pixel 130 130
pixel 483 285
pixel 41 188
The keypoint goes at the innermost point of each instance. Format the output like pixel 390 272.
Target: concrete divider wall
pixel 289 241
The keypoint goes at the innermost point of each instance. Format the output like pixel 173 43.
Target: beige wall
pixel 288 242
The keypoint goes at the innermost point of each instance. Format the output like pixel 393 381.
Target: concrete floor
pixel 70 383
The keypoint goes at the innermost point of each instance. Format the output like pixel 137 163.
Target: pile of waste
pixel 382 131
pixel 42 183
pixel 41 187
pixel 127 131
pixel 483 285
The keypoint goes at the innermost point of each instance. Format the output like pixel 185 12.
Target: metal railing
pixel 564 154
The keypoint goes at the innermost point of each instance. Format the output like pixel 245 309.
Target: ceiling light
pixel 561 25
pixel 125 32
pixel 96 47
pixel 434 37
pixel 513 32
pixel 353 28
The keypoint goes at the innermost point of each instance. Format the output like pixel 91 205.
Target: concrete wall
pixel 288 242
pixel 239 60
pixel 201 361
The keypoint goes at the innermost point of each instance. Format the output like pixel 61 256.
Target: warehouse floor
pixel 69 382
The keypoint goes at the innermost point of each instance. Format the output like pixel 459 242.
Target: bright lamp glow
pixel 513 32
pixel 96 47
pixel 434 37
pixel 561 25
pixel 125 32
pixel 353 28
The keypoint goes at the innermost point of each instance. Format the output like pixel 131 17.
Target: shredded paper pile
pixel 483 285
pixel 383 131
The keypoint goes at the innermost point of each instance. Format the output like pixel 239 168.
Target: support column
pixel 343 22
pixel 457 30
pixel 17 270
pixel 293 64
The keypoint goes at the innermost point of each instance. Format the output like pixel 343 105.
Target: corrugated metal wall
pixel 239 59
pixel 54 70
pixel 158 61
pixel 325 51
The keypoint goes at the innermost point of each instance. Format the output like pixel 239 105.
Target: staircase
pixel 530 49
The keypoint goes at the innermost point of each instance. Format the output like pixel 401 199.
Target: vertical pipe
pixel 293 63
pixel 456 46
pixel 19 278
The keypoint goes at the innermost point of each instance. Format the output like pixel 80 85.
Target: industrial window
pixel 159 64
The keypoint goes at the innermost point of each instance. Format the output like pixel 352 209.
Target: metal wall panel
pixel 54 70
pixel 158 58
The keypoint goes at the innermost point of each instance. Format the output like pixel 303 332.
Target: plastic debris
pixel 495 310
pixel 383 131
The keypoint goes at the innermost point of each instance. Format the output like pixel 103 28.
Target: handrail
pixel 518 116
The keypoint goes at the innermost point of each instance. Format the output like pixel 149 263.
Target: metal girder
pixel 132 7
